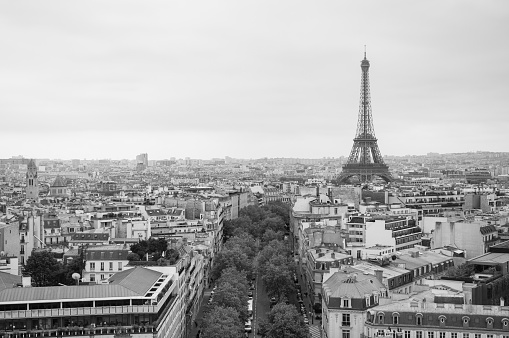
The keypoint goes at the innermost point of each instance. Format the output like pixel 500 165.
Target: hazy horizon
pixel 250 79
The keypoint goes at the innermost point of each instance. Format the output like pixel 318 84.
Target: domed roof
pixel 59 182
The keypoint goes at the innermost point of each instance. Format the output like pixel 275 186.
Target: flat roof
pixel 490 258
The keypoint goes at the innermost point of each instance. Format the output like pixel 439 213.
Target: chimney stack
pixel 379 275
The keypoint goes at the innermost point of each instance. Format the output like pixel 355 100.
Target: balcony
pixel 82 311
pixel 77 332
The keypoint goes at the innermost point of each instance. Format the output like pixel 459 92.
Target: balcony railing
pixel 82 311
pixel 79 331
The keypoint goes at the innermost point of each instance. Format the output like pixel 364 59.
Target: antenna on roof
pixel 364 52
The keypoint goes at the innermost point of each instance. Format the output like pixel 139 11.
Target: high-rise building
pixel 142 159
pixel 365 160
pixel 32 189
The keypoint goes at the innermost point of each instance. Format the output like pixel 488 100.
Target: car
pixel 250 294
pixel 247 327
pixel 306 321
pixel 252 287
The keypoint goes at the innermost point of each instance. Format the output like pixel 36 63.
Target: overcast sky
pixel 249 79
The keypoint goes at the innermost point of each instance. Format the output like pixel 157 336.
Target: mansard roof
pixel 351 285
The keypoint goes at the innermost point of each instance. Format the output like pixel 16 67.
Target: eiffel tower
pixel 365 160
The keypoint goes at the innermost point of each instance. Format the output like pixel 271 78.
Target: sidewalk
pixel 193 332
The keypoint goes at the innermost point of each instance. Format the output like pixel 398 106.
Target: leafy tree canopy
pixel 228 295
pixel 222 322
pixel 277 277
pixel 284 321
pixel 44 269
pixel 152 246
pixel 245 242
pixel 227 258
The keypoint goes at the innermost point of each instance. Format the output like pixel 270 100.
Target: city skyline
pixel 250 79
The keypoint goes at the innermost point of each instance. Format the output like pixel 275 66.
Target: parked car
pixel 248 328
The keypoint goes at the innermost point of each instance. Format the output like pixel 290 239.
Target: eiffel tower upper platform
pixel 365 160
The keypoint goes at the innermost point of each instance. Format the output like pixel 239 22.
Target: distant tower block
pixel 32 189
pixel 365 160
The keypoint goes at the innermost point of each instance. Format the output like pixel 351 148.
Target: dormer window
pixel 466 321
pixel 442 320
pixel 395 318
pixel 345 302
pixel 368 300
pixel 489 323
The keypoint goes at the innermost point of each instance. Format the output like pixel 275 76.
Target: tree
pixel 255 213
pixel 280 209
pixel 77 265
pixel 228 295
pixel 277 277
pixel 172 256
pixel 240 223
pixel 270 235
pixel 43 268
pixel 284 321
pixel 134 257
pixel 221 322
pixel 271 249
pixel 227 258
pixel 275 223
pixel 152 246
pixel 245 242
pixel 236 278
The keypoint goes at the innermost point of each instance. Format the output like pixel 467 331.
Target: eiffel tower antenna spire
pixel 365 160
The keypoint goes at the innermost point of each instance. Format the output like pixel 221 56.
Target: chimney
pixel 26 282
pixel 318 192
pixel 333 256
pixel 379 275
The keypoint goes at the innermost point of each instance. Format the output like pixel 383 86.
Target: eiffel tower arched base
pixel 365 174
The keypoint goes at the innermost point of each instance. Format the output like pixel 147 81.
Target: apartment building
pixel 140 302
pixel 347 296
pixel 102 262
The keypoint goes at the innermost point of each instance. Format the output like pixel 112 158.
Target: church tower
pixel 32 189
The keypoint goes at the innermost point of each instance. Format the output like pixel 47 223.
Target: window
pixel 477 335
pixel 102 277
pixel 418 334
pixel 441 334
pixel 454 335
pixel 111 266
pixel 419 320
pixel 346 319
pixel 465 335
pixel 102 266
pixel 119 266
pixel 395 319
pixel 92 277
pixel 489 336
pixel 431 334
pixel 346 302
pixel 407 334
pixel 380 319
pixel 92 266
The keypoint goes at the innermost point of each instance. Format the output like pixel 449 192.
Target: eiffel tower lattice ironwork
pixel 365 160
